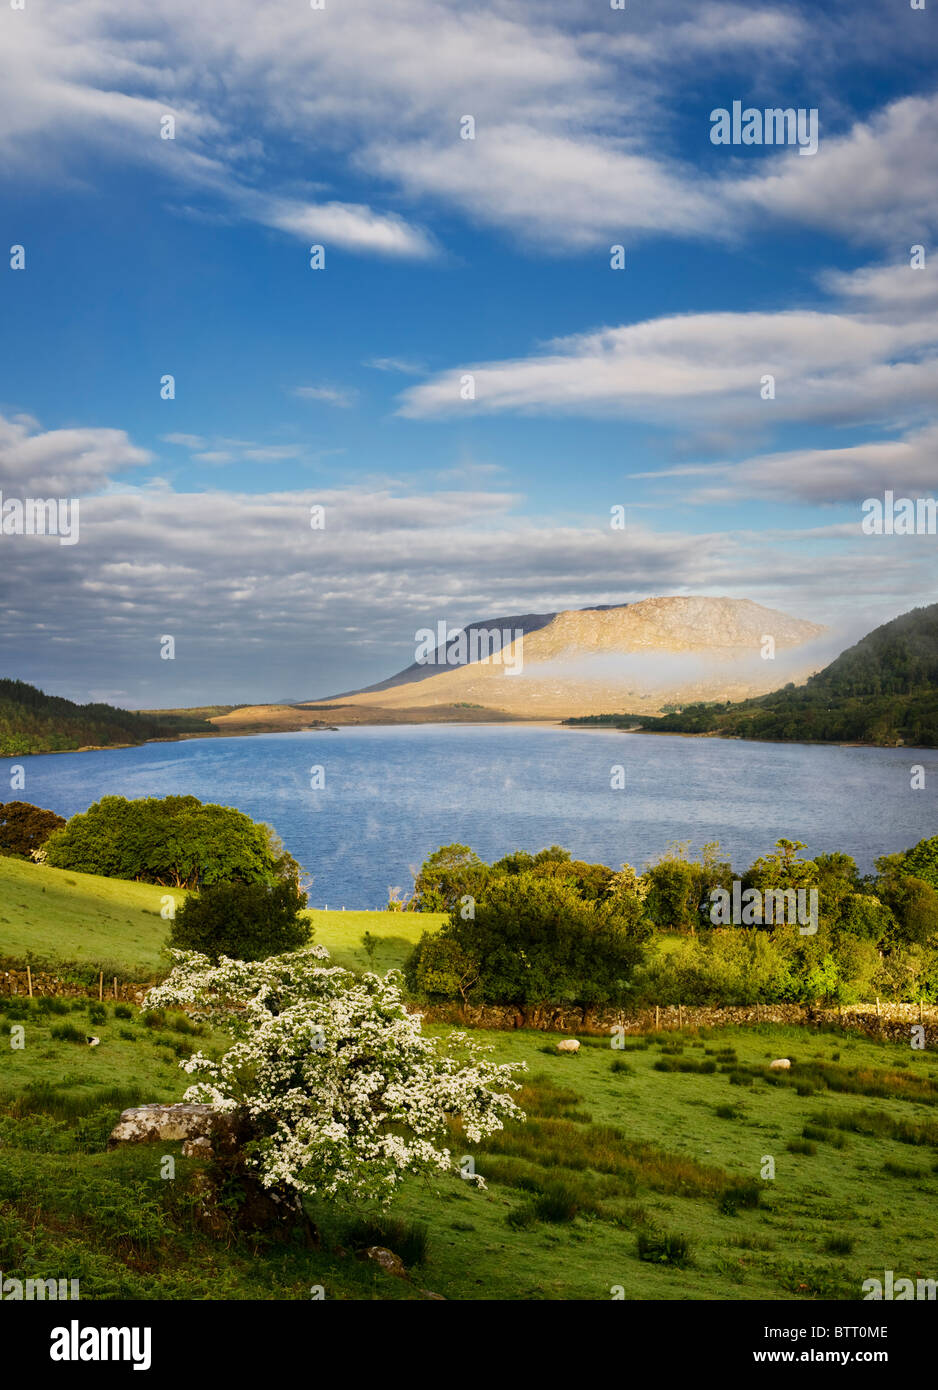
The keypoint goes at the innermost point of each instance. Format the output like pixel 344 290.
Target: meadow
pixel 91 923
pixel 637 1172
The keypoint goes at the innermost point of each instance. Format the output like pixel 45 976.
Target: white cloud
pixel 396 364
pixel 850 474
pixel 877 182
pixel 66 462
pixel 343 397
pixel 867 361
pixel 576 130
pixel 352 226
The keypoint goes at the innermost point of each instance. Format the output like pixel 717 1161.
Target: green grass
pixel 55 916
pixel 604 1158
pixel 611 1152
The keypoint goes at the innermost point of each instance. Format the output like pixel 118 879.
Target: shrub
pixel 123 1011
pixel 67 1032
pixel 685 1064
pixel 245 921
pixel 534 940
pixel 50 1004
pixel 662 1247
pixel 439 968
pixel 523 1217
pixel 408 1239
pixel 740 1194
pixel 801 1146
pixel 341 1092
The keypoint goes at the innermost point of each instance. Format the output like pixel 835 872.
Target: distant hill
pixel 33 722
pixel 883 690
pixel 639 656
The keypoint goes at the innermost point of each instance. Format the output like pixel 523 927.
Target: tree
pixel 534 940
pixel 246 921
pixel 342 1094
pixel 922 861
pixel 175 841
pixel 912 901
pixel 25 828
pixel 439 968
pixel 450 873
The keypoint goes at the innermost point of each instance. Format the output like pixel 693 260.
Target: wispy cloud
pixel 342 396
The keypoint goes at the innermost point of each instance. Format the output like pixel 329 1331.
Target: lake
pixel 393 794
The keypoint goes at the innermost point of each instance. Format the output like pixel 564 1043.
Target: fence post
pixel 680 1016
pixel 657 1018
pixel 115 986
pixel 100 985
pixel 29 981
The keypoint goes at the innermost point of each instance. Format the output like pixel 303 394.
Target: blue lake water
pixel 393 794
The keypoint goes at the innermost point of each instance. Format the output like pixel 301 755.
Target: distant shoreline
pixel 496 723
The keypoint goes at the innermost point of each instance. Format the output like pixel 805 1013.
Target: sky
pixel 466 387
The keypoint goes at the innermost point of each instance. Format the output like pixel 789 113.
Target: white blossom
pixel 343 1092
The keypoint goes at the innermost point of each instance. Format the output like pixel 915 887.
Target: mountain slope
pixel 637 656
pixel 883 690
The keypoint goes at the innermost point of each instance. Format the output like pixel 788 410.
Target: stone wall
pixel 43 983
pixel 892 1021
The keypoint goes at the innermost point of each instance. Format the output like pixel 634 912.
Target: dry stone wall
pixel 44 983
pixel 889 1021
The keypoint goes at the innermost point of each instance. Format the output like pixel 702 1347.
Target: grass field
pixel 55 915
pixel 615 1150
pixel 640 1170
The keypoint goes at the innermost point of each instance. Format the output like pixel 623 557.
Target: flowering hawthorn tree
pixel 343 1094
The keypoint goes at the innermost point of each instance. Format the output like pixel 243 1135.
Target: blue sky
pixel 444 256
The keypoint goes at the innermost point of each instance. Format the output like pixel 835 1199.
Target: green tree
pixel 536 941
pixel 922 861
pixel 450 873
pixel 25 828
pixel 175 841
pixel 244 921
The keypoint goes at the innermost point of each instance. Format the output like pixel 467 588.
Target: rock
pixel 427 1294
pixel 568 1045
pixel 198 1148
pixel 92 1042
pixel 143 1124
pixel 780 1064
pixel 389 1262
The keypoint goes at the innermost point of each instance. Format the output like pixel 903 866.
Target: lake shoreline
pixel 471 723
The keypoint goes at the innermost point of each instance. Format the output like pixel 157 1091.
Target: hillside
pixel 640 656
pixel 83 923
pixel 33 722
pixel 883 690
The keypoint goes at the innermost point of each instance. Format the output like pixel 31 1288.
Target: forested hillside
pixel 884 691
pixel 33 722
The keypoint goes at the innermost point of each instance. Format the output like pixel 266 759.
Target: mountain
pixel 883 690
pixel 639 656
pixel 33 722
